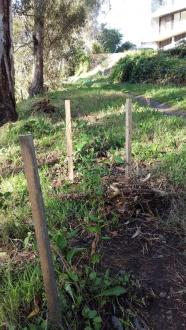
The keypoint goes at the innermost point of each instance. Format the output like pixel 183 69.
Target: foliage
pixel 88 295
pixel 97 48
pixel 110 39
pixel 179 51
pixel 172 95
pixel 127 45
pixel 65 23
pixel 150 66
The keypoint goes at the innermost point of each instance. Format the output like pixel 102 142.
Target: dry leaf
pixel 34 313
pixel 146 178
pixel 137 233
pixel 94 245
pixel 114 233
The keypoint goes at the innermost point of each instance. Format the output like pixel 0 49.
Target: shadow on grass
pixel 84 101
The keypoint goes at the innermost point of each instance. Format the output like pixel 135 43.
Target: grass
pixel 86 294
pixel 172 95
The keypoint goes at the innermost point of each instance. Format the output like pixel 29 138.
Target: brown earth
pixel 153 252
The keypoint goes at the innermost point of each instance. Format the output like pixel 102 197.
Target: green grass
pixel 172 95
pixel 98 142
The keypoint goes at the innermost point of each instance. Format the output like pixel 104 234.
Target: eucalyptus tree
pixel 7 96
pixel 54 25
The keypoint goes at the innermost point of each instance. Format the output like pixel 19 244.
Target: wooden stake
pixel 69 140
pixel 38 212
pixel 128 137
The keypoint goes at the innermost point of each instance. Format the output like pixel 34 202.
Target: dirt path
pixel 161 107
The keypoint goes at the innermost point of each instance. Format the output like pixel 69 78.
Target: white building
pixel 168 25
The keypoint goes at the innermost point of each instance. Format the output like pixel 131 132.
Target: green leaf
pixel 115 291
pixel 95 259
pixel 68 289
pixel 97 320
pixel 89 313
pixel 118 160
pixel 72 234
pixel 106 238
pixel 72 252
pixel 73 276
pixel 93 218
pixel 92 276
pixel 61 241
pixel 94 229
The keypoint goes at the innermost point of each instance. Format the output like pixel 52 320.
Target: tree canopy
pixel 110 39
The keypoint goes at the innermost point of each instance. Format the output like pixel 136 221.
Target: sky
pixel 131 17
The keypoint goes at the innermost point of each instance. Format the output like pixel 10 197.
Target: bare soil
pixel 161 107
pixel 153 252
pixel 43 106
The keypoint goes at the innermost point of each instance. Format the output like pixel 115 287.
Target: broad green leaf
pixel 115 291
pixel 72 252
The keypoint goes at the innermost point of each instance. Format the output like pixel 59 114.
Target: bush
pixel 97 48
pixel 179 51
pixel 127 45
pixel 150 67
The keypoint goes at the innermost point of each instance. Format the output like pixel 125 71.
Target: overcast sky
pixel 131 17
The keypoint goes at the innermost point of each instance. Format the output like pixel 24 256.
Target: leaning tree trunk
pixel 7 95
pixel 38 48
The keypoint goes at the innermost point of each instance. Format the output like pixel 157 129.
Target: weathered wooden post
pixel 69 140
pixel 38 212
pixel 128 137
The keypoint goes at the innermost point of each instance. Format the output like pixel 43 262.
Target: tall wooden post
pixel 128 137
pixel 69 140
pixel 38 212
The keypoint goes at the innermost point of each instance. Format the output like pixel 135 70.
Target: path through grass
pixel 98 136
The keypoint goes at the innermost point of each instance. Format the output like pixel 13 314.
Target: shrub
pixel 97 48
pixel 127 45
pixel 150 67
pixel 179 51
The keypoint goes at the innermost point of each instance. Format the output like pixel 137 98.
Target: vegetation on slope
pixel 88 295
pixel 168 94
pixel 151 67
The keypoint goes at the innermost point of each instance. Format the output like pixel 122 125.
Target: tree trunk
pixel 38 48
pixel 7 93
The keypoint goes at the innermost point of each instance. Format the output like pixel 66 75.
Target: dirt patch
pixel 153 253
pixel 8 168
pixel 43 106
pixel 161 107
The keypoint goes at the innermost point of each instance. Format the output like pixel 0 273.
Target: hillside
pixel 119 259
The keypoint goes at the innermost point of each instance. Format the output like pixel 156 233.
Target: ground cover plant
pixel 87 224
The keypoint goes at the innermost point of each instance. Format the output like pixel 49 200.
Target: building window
pixel 166 23
pixel 177 17
pixel 183 15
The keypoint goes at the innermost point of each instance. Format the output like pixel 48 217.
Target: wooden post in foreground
pixel 38 212
pixel 69 140
pixel 128 137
